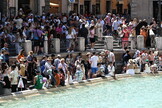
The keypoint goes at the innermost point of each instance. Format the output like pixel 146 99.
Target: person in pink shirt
pixel 59 30
pixel 125 36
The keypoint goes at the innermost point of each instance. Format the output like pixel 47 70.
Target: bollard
pixel 55 45
pixel 27 46
pixel 46 45
pixel 81 44
pixel 140 42
pixel 158 43
pixel 109 42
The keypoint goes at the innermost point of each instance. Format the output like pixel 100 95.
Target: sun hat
pixel 58 55
pixel 102 53
pixel 49 58
pixel 62 59
pixel 22 59
pixel 88 53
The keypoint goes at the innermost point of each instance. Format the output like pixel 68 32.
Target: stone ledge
pixel 74 84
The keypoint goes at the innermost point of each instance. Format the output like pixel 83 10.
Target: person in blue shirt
pixel 5 51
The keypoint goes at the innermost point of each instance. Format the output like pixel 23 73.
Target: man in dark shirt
pixel 84 33
pixel 126 57
pixel 53 32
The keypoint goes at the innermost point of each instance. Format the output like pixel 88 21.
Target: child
pixel 57 77
pixel 101 70
pixel 79 73
pixel 147 67
pixel 14 78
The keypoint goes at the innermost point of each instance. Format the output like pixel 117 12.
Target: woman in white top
pixel 130 67
pixel 14 78
pixel 99 29
pixel 111 69
pixel 147 67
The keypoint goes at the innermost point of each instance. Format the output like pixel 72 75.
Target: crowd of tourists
pixel 15 30
pixel 52 71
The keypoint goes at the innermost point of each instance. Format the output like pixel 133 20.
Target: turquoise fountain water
pixel 126 93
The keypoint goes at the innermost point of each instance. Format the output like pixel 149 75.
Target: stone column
pixel 27 46
pixel 140 42
pixel 108 42
pixel 103 6
pixel 46 45
pixel 81 44
pixel 55 45
pixel 158 43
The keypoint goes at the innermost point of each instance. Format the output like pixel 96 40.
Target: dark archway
pixel 25 5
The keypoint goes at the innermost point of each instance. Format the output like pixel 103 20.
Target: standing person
pixel 115 26
pixel 62 65
pixel 125 37
pixel 21 55
pixel 69 40
pixel 2 84
pixel 84 33
pixel 92 37
pixel 110 57
pixel 38 39
pixel 151 57
pixel 22 72
pixel 6 53
pixel 38 80
pixel 144 56
pixel 93 61
pixel 144 33
pixel 14 78
pixel 99 29
pixel 30 67
pixel 6 78
pixel 133 38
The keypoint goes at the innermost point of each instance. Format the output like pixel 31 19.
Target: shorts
pixel 41 43
pixel 94 70
pixel 36 43
pixel 92 40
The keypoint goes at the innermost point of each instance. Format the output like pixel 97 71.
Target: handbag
pixel 20 84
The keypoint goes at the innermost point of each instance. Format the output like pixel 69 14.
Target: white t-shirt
pixel 14 76
pixel 110 57
pixel 63 67
pixel 94 60
pixel 111 70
